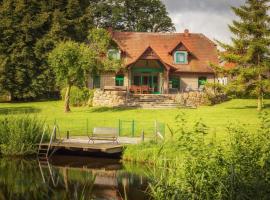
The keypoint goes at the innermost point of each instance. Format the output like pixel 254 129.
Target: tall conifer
pixel 249 50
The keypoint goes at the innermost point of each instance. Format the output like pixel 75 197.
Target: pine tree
pixel 249 50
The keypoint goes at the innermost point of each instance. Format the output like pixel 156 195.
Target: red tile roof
pixel 229 66
pixel 202 50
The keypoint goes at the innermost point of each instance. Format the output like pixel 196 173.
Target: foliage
pixel 73 62
pixel 66 60
pixel 78 96
pixel 249 50
pixel 19 135
pixel 194 166
pixel 132 15
pixel 30 30
pixel 70 62
pixel 100 41
pixel 216 93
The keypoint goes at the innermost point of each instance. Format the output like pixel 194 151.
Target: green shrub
pixel 19 135
pixel 192 166
pixel 78 96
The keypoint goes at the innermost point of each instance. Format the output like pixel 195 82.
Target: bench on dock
pixel 104 133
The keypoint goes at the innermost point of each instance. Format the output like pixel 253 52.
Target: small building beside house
pixel 160 63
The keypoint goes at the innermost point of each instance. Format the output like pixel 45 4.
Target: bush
pixel 78 96
pixel 193 166
pixel 215 93
pixel 19 135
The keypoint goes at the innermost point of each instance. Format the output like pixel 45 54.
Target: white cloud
pixel 210 17
pixel 212 25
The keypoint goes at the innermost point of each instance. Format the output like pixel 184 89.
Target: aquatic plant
pixel 20 134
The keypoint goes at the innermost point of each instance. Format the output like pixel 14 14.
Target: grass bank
pixel 216 117
pixel 192 165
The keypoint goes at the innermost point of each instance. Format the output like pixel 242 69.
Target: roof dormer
pixel 180 57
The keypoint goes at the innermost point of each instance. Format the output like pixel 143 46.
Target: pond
pixel 67 177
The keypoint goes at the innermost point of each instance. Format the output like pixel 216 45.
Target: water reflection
pixel 77 178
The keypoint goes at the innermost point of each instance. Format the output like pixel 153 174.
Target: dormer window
pixel 114 54
pixel 180 57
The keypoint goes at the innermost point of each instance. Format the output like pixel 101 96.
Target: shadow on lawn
pixel 248 107
pixel 18 110
pixel 106 109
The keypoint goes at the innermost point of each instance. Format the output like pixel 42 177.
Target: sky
pixel 210 17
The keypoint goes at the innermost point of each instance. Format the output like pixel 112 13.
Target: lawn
pixel 215 117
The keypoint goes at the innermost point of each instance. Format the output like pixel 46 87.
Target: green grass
pixel 216 117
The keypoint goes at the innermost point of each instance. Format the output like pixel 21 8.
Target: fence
pixel 127 128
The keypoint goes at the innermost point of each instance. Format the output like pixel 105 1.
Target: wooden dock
pixel 109 148
pixel 85 145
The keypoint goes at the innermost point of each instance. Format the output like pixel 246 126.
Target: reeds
pixel 19 135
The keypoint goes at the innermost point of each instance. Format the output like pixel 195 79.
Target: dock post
pixel 67 134
pixel 133 128
pixel 156 130
pixel 119 127
pixel 142 136
pixel 87 127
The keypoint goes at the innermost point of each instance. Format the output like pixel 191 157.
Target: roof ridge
pixel 157 33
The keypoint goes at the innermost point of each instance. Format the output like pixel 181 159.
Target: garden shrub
pixel 78 96
pixel 19 135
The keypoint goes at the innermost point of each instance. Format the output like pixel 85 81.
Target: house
pixel 160 63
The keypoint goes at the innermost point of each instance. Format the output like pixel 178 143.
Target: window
pixel 181 57
pixel 174 83
pixel 96 81
pixel 202 81
pixel 137 80
pixel 119 80
pixel 114 54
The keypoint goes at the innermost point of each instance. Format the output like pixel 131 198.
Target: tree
pixel 29 31
pixel 67 61
pixel 132 15
pixel 73 62
pixel 249 50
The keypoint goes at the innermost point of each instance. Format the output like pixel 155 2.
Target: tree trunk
pixel 260 95
pixel 67 97
pixel 260 103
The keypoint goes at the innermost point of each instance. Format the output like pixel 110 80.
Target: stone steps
pixel 152 101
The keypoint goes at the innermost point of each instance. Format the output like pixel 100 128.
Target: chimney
pixel 186 32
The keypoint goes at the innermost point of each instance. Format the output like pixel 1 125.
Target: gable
pixel 149 54
pixel 180 47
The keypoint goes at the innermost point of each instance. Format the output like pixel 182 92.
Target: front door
pixel 147 79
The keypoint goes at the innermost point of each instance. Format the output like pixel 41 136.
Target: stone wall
pixel 196 99
pixel 191 99
pixel 109 98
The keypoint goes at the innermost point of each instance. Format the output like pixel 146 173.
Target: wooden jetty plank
pixel 99 147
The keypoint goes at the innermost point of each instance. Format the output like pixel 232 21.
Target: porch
pixel 148 77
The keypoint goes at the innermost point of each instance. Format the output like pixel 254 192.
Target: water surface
pixel 66 177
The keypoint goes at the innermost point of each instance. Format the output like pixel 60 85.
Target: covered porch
pixel 148 77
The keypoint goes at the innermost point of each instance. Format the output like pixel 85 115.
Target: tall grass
pixel 192 166
pixel 19 135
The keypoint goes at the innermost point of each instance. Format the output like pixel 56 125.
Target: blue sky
pixel 210 17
